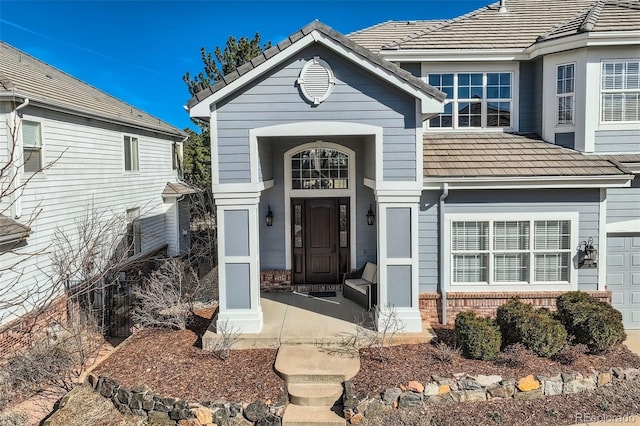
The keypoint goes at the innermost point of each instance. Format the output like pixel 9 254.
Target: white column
pixel 239 262
pixel 398 263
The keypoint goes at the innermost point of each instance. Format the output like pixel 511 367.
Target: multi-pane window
pixel 474 100
pixel 131 162
pixel 31 146
pixel 515 251
pixel 565 88
pixel 620 91
pixel 320 168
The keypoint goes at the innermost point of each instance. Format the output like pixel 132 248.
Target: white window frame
pixel 484 102
pixel 134 232
pixel 133 167
pixel 623 91
pixel 39 149
pixel 561 94
pixel 491 284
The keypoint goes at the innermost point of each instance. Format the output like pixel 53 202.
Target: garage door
pixel 623 277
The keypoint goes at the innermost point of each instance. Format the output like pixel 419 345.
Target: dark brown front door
pixel 320 240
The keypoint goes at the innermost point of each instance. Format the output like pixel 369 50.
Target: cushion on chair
pixel 358 284
pixel 369 274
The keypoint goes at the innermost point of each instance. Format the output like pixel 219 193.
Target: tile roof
pixel 610 15
pixel 374 37
pixel 27 76
pixel 487 28
pixel 456 155
pixel 10 230
pixel 335 36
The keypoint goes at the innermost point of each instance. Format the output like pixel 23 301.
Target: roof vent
pixel 503 6
pixel 316 80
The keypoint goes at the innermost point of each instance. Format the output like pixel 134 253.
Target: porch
pixel 292 318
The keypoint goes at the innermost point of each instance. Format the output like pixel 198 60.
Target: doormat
pixel 322 293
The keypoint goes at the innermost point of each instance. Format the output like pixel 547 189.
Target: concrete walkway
pixel 294 319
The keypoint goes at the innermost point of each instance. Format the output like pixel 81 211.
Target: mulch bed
pixel 172 363
pixel 420 362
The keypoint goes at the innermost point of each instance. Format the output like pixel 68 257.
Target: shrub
pixel 477 337
pixel 593 323
pixel 536 329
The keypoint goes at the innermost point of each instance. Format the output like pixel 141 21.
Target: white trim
pixel 454 55
pixel 602 241
pixel 290 193
pixel 447 255
pixel 530 182
pixel 213 137
pixel 625 227
pixel 18 156
pixel 331 80
pixel 429 104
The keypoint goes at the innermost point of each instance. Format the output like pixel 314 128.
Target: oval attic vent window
pixel 316 80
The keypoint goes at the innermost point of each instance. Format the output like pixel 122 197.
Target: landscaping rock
pixel 410 399
pixel 180 413
pixel 552 385
pixel 631 373
pixel 578 385
pixel 124 396
pixel 617 373
pixel 123 408
pixel 374 409
pixel 92 380
pixel 604 379
pixel 415 386
pixel 442 381
pixel 357 419
pixel 528 383
pixel 476 395
pixel 391 395
pixel 189 422
pixel 459 396
pixel 444 389
pixel 159 418
pixel 363 405
pixel 487 381
pixel 532 394
pixel 468 383
pixel 139 413
pixel 570 376
pixel 159 406
pixel 235 409
pixel 107 387
pixel 504 389
pixel 431 389
pixel 203 414
pixel 270 420
pixel 440 399
pixel 148 404
pixel 256 411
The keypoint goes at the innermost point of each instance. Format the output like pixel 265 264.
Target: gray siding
pixel 428 241
pixel 586 202
pixel 184 228
pixel 356 97
pixel 531 97
pixel 236 232
pixel 238 285
pixel 415 68
pixel 617 141
pixel 624 203
pixel 567 140
pixel 272 239
pixel 152 230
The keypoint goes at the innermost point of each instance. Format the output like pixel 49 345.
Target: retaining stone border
pixel 463 388
pixel 167 411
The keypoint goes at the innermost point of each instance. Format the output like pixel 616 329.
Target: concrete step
pixel 310 364
pixel 296 415
pixel 314 394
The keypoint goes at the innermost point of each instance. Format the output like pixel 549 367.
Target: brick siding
pixel 279 280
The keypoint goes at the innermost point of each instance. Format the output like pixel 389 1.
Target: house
pixel 77 149
pixel 474 159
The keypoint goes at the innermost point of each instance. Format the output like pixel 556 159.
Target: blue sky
pixel 138 51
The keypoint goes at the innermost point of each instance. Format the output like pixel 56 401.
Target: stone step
pixel 314 394
pixel 296 415
pixel 310 364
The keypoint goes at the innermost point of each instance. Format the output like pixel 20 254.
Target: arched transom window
pixel 320 168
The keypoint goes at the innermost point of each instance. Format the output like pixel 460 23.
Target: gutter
pixel 16 205
pixel 443 292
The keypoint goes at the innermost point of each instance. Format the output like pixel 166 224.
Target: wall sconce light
pixel 587 254
pixel 371 216
pixel 269 217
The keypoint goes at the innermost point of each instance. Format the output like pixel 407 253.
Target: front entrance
pixel 320 240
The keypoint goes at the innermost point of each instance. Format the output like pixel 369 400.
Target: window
pixel 31 146
pixel 511 251
pixel 131 154
pixel 620 91
pixel 134 232
pixel 565 87
pixel 320 168
pixel 474 100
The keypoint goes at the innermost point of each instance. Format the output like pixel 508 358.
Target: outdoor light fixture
pixel 269 217
pixel 587 254
pixel 371 216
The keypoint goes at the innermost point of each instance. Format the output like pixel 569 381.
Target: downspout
pixel 443 291
pixel 16 205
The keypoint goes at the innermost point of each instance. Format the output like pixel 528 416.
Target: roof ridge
pixel 586 12
pixel 45 67
pixel 590 20
pixel 445 23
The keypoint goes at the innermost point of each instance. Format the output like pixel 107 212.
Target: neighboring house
pixel 496 150
pixel 106 155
